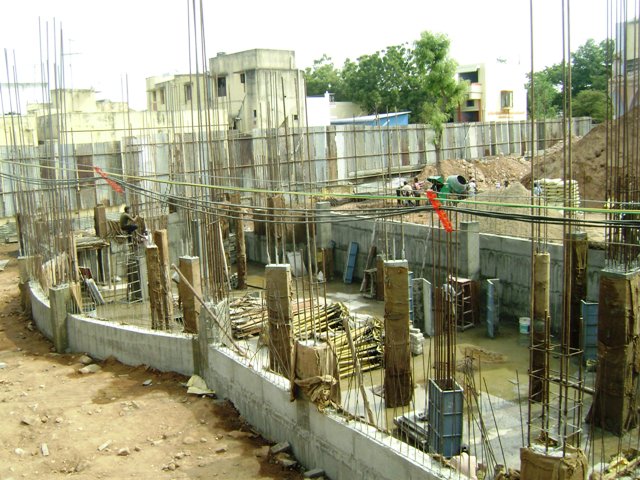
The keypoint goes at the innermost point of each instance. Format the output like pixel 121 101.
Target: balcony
pixel 475 91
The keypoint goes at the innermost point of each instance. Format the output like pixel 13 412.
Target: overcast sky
pixel 106 40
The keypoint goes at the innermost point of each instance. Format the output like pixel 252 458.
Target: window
pixel 295 116
pixel 161 96
pixel 242 78
pixel 187 92
pixel 506 99
pixel 255 114
pixel 471 77
pixel 471 103
pixel 222 86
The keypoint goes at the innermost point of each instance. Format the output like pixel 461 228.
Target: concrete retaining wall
pixel 506 258
pixel 509 259
pixel 319 439
pixel 131 345
pixel 40 310
pixel 344 449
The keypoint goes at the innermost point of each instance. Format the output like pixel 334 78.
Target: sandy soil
pixel 108 424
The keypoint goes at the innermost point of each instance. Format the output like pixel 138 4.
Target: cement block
pixel 280 447
pixel 314 473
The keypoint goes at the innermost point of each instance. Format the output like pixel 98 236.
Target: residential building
pixel 496 92
pixel 624 84
pixel 75 116
pixel 176 92
pixel 260 88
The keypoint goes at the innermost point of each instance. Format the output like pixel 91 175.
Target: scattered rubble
pixel 280 447
pixel 93 368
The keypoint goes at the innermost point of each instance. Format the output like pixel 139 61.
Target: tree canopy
pixel 590 74
pixel 324 77
pixel 419 78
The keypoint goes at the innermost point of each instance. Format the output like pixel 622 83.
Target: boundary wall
pixel 343 449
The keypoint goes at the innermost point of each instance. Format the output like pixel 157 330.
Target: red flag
pixel 113 184
pixel 442 215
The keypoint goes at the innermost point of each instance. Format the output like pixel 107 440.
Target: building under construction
pixel 447 333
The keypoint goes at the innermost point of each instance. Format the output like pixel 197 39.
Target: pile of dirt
pixel 486 171
pixel 588 164
pixel 589 155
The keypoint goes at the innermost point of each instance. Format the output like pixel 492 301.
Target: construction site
pixel 452 332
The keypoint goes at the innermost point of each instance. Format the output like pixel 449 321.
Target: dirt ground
pixel 58 422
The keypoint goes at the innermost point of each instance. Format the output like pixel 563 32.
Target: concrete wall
pixel 506 258
pixel 509 259
pixel 345 450
pixel 40 310
pixel 168 352
pixel 319 439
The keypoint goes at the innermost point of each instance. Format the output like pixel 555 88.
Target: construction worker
pixel 407 191
pixel 417 189
pixel 128 222
pixel 472 187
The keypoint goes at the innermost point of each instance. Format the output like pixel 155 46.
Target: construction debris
pixel 197 386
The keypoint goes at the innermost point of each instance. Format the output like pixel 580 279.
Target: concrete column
pixel 469 257
pixel 614 404
pixel 324 232
pixel 196 234
pixel 23 267
pixel 190 268
pixel 579 257
pixel 241 247
pixel 538 376
pixel 155 301
pixel 278 284
pixel 100 221
pixel 58 300
pixel 398 384
pixel 201 345
pixel 69 246
pixel 380 258
pixel 161 240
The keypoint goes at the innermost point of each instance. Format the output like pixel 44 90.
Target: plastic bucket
pixel 525 325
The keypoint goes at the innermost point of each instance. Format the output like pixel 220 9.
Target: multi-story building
pixel 176 92
pixel 260 88
pixel 624 84
pixel 496 93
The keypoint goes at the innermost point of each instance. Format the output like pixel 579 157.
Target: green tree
pixel 590 72
pixel 418 78
pixel 591 66
pixel 438 93
pixel 590 103
pixel 324 77
pixel 548 99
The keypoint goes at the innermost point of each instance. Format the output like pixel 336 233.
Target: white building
pixel 260 88
pixel 624 79
pixel 323 109
pixel 496 92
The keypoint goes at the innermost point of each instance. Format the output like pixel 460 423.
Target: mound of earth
pixel 486 171
pixel 589 155
pixel 588 164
